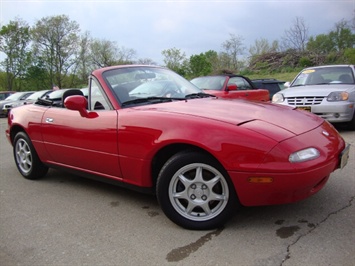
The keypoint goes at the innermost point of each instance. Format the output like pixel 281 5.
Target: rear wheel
pixel 195 192
pixel 26 158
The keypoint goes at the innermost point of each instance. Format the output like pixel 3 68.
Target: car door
pixel 246 91
pixel 88 144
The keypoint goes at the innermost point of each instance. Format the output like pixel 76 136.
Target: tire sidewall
pixel 174 164
pixel 37 170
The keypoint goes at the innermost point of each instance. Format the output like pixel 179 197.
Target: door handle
pixel 49 120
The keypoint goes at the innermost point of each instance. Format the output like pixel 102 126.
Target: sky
pixel 193 26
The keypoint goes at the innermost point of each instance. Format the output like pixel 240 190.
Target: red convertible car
pixel 147 128
pixel 231 86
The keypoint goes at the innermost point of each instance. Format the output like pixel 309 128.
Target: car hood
pixel 10 102
pixel 3 102
pixel 316 90
pixel 266 118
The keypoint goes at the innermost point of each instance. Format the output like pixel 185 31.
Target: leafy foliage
pixel 14 41
pixel 54 51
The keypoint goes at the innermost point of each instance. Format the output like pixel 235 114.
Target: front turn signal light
pixel 260 180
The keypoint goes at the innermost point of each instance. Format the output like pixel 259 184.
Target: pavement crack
pixel 288 254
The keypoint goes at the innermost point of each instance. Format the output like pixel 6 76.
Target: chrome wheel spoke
pixel 23 156
pixel 198 192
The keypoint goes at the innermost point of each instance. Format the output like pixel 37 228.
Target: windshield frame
pixel 122 81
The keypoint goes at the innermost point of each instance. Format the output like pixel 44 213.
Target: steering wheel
pixel 170 91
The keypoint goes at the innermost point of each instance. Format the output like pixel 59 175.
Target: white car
pixel 327 91
pixel 13 100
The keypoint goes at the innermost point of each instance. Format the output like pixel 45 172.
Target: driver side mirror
pixel 79 103
pixel 232 87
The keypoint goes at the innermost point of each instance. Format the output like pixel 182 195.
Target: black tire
pixel 26 158
pixel 195 192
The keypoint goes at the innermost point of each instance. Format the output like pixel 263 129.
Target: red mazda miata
pixel 147 128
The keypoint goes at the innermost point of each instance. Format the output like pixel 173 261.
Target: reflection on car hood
pixel 4 101
pixel 316 90
pixel 241 112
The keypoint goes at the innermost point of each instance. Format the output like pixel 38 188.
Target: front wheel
pixel 195 192
pixel 26 158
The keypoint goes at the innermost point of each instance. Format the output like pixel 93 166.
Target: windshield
pixel 209 83
pixel 36 95
pixel 142 82
pixel 324 75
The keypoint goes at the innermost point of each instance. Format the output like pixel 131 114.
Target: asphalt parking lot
pixel 64 219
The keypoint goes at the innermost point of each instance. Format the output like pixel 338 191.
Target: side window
pixel 97 98
pixel 240 82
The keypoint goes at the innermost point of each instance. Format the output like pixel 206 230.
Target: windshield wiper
pixel 198 95
pixel 298 85
pixel 321 83
pixel 151 100
pixel 155 99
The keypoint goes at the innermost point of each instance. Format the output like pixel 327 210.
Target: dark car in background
pixel 13 100
pixel 272 85
pixel 5 94
pixel 231 86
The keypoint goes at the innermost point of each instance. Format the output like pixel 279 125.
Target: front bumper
pixel 334 112
pixel 4 111
pixel 285 188
pixel 293 182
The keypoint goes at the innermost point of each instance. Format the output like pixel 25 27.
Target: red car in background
pixel 230 86
pixel 147 128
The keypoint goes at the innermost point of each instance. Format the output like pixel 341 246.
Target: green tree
pixel 321 44
pixel 35 75
pixel 175 60
pixel 342 37
pixel 212 58
pixel 56 41
pixel 200 65
pixel 349 56
pixel 14 42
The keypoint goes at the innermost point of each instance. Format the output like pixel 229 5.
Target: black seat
pixel 345 78
pixel 98 106
pixel 71 92
pixel 316 79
